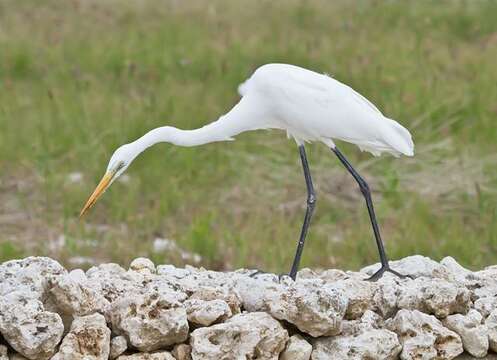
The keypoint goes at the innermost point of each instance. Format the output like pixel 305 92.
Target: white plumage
pixel 316 107
pixel 309 107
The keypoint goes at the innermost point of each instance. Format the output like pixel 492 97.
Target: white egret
pixel 310 107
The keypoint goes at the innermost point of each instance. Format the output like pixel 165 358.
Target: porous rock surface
pixel 441 311
pixel 88 339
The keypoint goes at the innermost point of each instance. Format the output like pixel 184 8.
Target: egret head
pixel 118 163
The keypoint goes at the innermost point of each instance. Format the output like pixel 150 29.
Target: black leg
pixel 311 203
pixel 369 202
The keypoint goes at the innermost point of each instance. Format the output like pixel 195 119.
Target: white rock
pixel 360 339
pixel 458 273
pixel 485 305
pixel 182 352
pixel 78 275
pixel 191 279
pixel 72 295
pixel 297 348
pixel 142 265
pixel 171 271
pixel 473 333
pixel 414 266
pixel 150 321
pixel 491 323
pixel 159 355
pixel 483 283
pixel 210 293
pixel 314 307
pixel 244 336
pixel 434 296
pixel 3 352
pixel 118 345
pixel 375 344
pixel 28 276
pixel 386 296
pixel 255 291
pixel 113 281
pixel 28 328
pixel 149 308
pixel 328 275
pixel 424 337
pixel 359 294
pixel 205 313
pixel 88 339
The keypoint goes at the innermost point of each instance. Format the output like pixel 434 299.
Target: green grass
pixel 79 78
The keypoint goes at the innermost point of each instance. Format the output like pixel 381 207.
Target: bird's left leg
pixel 369 202
pixel 311 203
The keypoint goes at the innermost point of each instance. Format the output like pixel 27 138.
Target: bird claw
pixel 386 268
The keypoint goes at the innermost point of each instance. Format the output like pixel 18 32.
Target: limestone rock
pixel 457 272
pixel 88 339
pixel 118 345
pixel 312 306
pixel 424 337
pixel 483 283
pixel 473 333
pixel 150 309
pixel 150 321
pixel 182 352
pixel 414 266
pixel 359 294
pixel 491 324
pixel 28 328
pixel 297 348
pixel 385 296
pixel 210 293
pixel 113 281
pixel 434 296
pixel 143 265
pixel 73 296
pixel 254 292
pixel 244 336
pixel 360 339
pixel 28 276
pixel 3 352
pixel 190 279
pixel 205 313
pixel 485 305
pixel 328 275
pixel 159 355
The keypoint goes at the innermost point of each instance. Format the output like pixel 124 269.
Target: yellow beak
pixel 99 190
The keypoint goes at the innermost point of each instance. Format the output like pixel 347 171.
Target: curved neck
pixel 237 120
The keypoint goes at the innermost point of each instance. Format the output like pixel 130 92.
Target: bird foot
pixel 386 268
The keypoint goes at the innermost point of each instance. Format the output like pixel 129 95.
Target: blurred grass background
pixel 79 78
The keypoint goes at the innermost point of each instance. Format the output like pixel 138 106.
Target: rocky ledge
pixel 166 313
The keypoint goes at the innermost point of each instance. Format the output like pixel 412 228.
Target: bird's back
pixel 315 107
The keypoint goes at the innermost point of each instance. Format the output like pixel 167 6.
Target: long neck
pixel 238 120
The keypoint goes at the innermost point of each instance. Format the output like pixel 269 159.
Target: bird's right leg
pixel 311 204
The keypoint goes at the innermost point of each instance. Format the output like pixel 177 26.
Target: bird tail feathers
pixel 399 138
